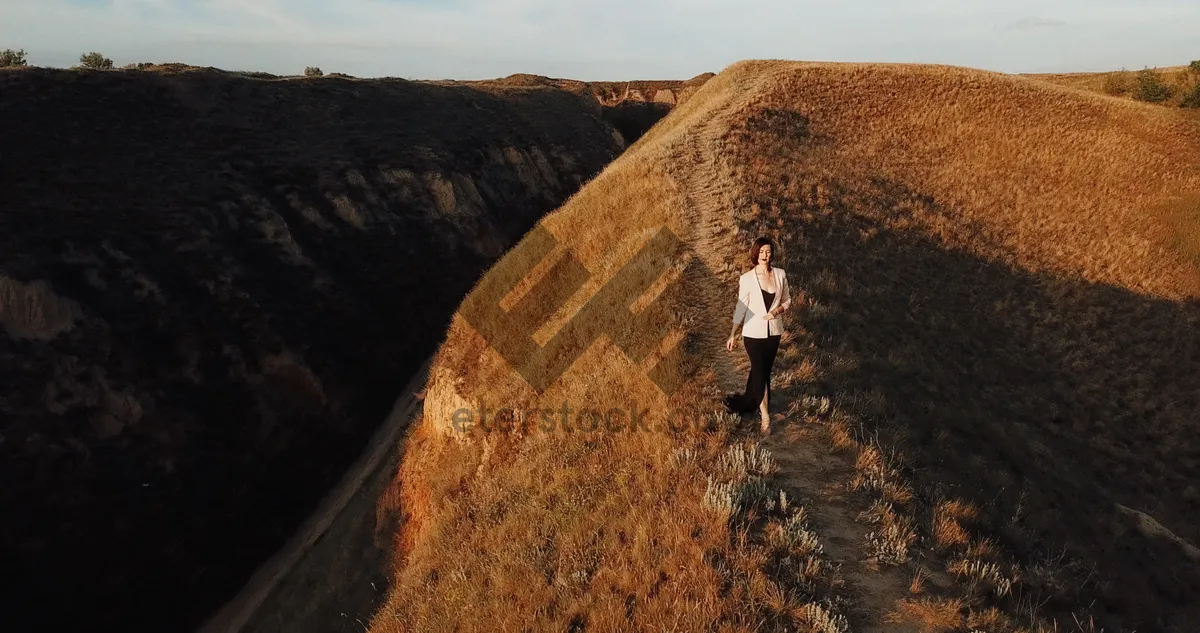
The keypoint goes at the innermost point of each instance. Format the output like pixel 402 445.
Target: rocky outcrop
pixel 211 289
pixel 613 93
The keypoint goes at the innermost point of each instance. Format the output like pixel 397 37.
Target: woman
pixel 764 285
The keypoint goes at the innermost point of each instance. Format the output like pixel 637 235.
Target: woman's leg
pixel 747 401
pixel 770 348
pixel 756 383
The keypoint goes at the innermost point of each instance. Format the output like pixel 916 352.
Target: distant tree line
pixel 10 58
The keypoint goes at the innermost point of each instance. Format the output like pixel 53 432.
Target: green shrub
pixel 313 71
pixel 253 74
pixel 1151 88
pixel 95 61
pixel 1192 100
pixel 12 59
pixel 1118 83
pixel 1194 66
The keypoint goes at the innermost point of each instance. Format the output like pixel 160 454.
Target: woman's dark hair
pixel 757 246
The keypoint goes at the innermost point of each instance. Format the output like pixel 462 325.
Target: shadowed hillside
pixel 985 402
pixel 212 289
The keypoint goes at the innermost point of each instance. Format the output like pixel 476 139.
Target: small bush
pixel 1151 88
pixel 95 61
pixel 1194 66
pixel 1118 83
pixel 12 59
pixel 253 74
pixel 313 71
pixel 1192 100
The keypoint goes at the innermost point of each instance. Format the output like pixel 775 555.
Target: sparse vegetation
pixel 313 71
pixel 1194 66
pixel 253 74
pixel 1118 83
pixel 95 61
pixel 13 59
pixel 889 542
pixel 1150 87
pixel 1163 86
pixel 1192 98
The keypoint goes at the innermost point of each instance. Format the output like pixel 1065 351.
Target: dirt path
pixel 819 481
pixel 809 471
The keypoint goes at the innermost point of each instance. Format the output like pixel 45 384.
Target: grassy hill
pixel 212 288
pixel 984 402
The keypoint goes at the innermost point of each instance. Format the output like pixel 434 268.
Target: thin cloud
pixel 1031 23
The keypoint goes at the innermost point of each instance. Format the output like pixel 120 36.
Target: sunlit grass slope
pixel 991 272
pixel 545 529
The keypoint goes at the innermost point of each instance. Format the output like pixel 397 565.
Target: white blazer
pixel 751 309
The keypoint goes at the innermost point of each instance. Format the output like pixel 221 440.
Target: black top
pixel 768 297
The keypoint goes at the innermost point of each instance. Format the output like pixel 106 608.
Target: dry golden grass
pixel 954 615
pixel 1183 216
pixel 948 532
pixel 987 286
pixel 931 615
pixel 841 438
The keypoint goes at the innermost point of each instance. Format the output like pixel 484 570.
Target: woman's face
pixel 764 254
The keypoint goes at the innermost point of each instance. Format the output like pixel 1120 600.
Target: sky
pixel 595 40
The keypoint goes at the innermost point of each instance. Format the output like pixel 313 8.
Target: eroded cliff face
pixel 613 93
pixel 211 289
pixel 633 107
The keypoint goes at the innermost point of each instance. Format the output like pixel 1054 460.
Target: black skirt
pixel 762 358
